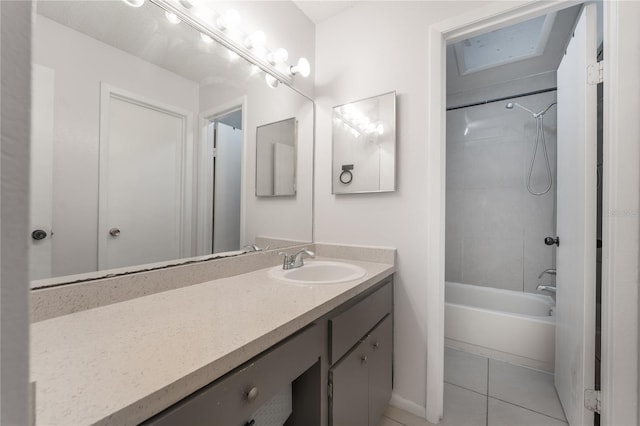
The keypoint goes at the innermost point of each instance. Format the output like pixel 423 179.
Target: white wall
pixel 359 57
pixel 15 54
pixel 494 227
pixel 81 63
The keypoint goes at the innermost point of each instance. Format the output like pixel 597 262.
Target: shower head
pixel 510 105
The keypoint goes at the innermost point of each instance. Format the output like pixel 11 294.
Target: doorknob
pixel 552 240
pixel 39 234
pixel 114 232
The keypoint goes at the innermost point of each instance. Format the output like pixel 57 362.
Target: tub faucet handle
pixel 550 271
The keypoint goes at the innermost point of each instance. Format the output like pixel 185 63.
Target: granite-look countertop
pixel 122 363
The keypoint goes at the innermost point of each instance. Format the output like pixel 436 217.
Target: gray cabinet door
pixel 380 361
pixel 349 405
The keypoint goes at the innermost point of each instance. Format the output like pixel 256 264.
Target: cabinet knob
pixel 251 423
pixel 252 394
pixel 364 359
pixel 376 345
pixel 114 232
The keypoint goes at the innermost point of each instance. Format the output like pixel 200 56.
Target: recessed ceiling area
pixel 510 44
pixel 528 48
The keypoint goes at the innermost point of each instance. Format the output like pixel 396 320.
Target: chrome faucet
pixel 549 288
pixel 253 247
pixel 295 260
pixel 550 271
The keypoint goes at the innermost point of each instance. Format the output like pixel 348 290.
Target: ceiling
pixel 320 10
pixel 510 53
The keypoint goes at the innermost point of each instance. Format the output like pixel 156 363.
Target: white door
pixel 227 180
pixel 576 223
pixel 141 182
pixel 41 211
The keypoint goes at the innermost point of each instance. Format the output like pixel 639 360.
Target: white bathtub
pixel 507 325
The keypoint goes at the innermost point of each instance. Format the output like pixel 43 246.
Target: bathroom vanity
pixel 212 353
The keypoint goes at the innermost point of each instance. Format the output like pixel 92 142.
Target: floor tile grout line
pixel 529 409
pixel 458 386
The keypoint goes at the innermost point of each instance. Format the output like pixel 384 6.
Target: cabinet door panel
pixel 380 343
pixel 349 405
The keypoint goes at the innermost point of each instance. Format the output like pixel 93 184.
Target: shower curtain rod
pixel 489 101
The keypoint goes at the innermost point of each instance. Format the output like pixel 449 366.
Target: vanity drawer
pixel 348 327
pixel 231 400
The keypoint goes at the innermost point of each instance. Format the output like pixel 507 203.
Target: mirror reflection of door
pixel 41 211
pixel 142 173
pixel 227 177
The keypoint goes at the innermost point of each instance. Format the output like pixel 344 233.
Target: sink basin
pixel 319 272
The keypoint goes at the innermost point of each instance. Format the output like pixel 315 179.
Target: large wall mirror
pixel 144 144
pixel 364 146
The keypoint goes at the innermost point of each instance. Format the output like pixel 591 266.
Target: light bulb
pixel 172 17
pixel 302 67
pixel 256 39
pixel 134 3
pixel 380 129
pixel 229 20
pixel 279 55
pixel 205 38
pixel 271 81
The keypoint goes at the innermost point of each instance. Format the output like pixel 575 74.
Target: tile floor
pixel 484 392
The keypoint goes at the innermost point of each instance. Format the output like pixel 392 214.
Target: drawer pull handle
pixel 376 345
pixel 363 359
pixel 252 394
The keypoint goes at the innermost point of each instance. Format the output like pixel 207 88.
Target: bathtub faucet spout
pixel 549 288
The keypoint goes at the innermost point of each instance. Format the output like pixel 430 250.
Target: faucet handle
pixel 287 261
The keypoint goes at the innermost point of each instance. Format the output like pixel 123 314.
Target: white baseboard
pixel 408 406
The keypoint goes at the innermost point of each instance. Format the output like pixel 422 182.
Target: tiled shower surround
pixel 494 227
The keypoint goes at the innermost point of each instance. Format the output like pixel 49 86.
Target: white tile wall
pixel 494 227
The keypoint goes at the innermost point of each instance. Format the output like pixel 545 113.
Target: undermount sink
pixel 319 272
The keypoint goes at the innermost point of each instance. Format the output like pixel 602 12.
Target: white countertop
pixel 121 364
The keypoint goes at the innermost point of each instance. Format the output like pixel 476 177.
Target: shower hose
pixel 540 140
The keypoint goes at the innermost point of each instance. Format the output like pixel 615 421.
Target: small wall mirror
pixel 364 146
pixel 276 159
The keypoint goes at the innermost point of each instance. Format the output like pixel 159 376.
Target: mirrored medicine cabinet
pixel 364 146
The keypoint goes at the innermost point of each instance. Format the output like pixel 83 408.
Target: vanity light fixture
pixel 255 40
pixel 134 3
pixel 302 67
pixel 172 17
pixel 225 29
pixel 278 56
pixel 229 20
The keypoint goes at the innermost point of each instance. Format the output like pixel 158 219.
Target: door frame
pixel 204 225
pixel 619 329
pixel 107 91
